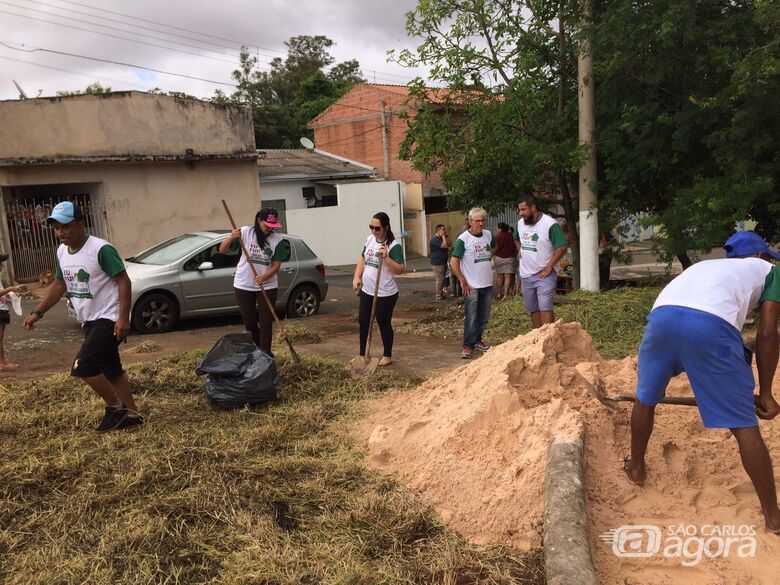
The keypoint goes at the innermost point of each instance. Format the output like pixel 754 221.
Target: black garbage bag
pixel 238 373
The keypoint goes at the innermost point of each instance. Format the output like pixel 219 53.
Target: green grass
pixel 272 496
pixel 615 319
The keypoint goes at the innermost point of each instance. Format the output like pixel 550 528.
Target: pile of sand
pixel 473 444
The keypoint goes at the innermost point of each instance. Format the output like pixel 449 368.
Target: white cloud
pixel 361 29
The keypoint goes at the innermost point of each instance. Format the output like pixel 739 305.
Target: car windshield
pixel 171 251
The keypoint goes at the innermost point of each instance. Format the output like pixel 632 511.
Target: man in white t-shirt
pixel 91 271
pixel 540 241
pixel 694 327
pixel 471 265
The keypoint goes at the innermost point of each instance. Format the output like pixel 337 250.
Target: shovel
pixel 282 330
pixel 597 391
pixel 363 366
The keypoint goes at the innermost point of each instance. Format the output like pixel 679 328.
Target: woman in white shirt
pixel 268 250
pixel 382 243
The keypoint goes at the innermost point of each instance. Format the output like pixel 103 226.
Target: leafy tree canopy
pixel 293 91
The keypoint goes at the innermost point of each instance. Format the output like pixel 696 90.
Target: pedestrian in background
pixel 5 318
pixel 505 261
pixel 440 246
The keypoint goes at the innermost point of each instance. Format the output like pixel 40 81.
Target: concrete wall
pixel 148 203
pixel 336 234
pixel 121 123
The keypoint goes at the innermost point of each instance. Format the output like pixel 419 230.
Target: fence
pixel 33 242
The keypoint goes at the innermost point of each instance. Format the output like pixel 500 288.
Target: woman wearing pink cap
pixel 268 250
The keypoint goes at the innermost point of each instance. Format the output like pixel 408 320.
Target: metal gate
pixel 33 243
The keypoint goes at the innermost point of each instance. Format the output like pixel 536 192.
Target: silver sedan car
pixel 187 276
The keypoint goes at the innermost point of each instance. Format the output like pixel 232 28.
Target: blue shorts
pixel 539 293
pixel 710 351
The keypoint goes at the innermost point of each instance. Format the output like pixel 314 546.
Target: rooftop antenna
pixel 22 95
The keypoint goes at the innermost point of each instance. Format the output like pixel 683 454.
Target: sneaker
pixel 481 346
pixel 111 419
pixel 131 422
pixel 466 355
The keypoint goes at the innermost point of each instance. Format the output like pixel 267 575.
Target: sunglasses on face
pixel 374 228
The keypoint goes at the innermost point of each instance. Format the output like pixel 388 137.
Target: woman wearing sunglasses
pixel 381 243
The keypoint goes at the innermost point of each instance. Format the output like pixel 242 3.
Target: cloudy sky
pixel 191 38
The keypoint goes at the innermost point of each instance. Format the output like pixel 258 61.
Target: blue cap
pixel 747 243
pixel 65 212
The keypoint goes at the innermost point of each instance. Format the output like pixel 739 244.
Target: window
pixel 212 254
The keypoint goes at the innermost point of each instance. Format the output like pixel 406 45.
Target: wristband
pixel 37 313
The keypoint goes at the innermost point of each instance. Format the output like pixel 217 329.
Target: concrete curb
pixel 567 558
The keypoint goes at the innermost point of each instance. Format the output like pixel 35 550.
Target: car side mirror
pixel 206 266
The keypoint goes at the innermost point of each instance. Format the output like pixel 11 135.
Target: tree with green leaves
pixel 92 89
pixel 293 91
pixel 686 109
pixel 506 125
pixel 688 118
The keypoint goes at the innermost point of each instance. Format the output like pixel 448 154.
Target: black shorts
pixel 5 318
pixel 99 354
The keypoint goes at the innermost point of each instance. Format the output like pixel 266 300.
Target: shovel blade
pixel 363 367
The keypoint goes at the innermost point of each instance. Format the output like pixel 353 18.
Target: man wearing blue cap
pixel 90 270
pixel 694 327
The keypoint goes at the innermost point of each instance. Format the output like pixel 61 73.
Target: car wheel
pixel 155 313
pixel 303 302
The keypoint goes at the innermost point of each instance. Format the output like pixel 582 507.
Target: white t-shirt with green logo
pixel 475 253
pixel 538 243
pixel 89 279
pixel 276 248
pixel 729 288
pixel 371 254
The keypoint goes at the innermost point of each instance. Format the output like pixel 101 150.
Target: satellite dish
pixel 22 95
pixel 307 144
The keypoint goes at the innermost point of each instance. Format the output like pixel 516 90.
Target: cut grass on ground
pixel 272 496
pixel 615 319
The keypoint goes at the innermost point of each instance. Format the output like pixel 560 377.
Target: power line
pixel 233 48
pixel 254 45
pixel 384 75
pixel 231 62
pixel 40 49
pixel 71 72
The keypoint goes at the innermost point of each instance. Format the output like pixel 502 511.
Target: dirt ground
pixel 51 347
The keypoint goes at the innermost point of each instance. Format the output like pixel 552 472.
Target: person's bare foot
pixel 8 367
pixel 772 525
pixel 635 472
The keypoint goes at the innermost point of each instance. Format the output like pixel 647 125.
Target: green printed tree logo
pixel 82 276
pixel 535 237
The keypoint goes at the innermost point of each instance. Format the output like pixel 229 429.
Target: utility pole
pixel 385 145
pixel 589 217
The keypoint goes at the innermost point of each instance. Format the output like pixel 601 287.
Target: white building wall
pixel 291 192
pixel 336 234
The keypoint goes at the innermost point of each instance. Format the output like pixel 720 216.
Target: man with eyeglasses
pixel 471 265
pixel 541 244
